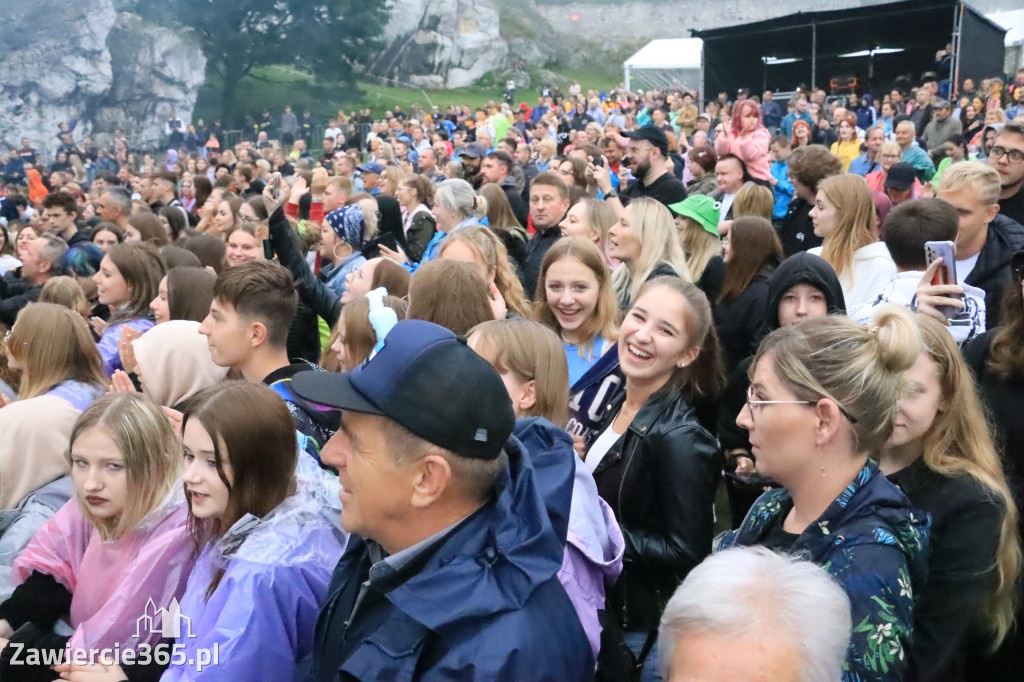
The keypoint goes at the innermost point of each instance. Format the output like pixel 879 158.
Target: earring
pixel 822 469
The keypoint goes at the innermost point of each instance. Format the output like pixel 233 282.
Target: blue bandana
pixel 347 223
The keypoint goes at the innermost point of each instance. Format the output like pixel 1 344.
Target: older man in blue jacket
pixel 450 572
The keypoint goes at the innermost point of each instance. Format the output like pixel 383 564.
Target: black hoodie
pixel 801 268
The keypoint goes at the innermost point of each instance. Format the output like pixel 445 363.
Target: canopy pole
pixel 954 66
pixel 626 67
pixel 814 55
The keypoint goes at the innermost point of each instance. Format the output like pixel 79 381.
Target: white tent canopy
pixel 1013 22
pixel 666 63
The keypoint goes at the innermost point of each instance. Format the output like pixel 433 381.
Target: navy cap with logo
pixel 900 177
pixel 430 382
pixel 652 134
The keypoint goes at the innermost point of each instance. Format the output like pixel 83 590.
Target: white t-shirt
pixel 965 267
pixel 601 447
pixel 723 210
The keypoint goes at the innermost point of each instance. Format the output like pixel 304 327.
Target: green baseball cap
pixel 701 208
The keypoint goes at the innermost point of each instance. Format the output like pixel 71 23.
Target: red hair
pixel 800 122
pixel 737 114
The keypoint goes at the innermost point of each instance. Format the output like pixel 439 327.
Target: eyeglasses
pixel 1014 156
pixel 246 219
pixel 756 405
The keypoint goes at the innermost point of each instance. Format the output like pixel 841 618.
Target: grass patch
pixel 273 87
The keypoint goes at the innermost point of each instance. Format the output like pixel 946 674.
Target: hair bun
pixel 897 337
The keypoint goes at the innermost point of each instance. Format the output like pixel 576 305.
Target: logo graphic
pixel 163 622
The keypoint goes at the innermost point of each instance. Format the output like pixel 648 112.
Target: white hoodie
pixel 872 269
pixel 902 290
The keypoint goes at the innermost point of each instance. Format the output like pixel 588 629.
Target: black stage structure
pixel 863 49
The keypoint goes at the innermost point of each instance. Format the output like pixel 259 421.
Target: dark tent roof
pixel 734 56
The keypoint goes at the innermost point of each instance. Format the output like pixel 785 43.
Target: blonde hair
pixel 604 321
pixel 394 175
pixel 699 245
pixel 959 442
pixel 856 221
pixel 601 217
pixel 491 252
pixel 981 176
pixel 151 452
pixel 533 353
pixel 753 200
pixel 53 344
pixel 890 147
pixel 359 337
pixel 67 292
pixel 858 368
pixel 654 229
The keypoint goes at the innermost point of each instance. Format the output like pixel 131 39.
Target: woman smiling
pixel 653 462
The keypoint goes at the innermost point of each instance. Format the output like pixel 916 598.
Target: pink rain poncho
pixel 112 582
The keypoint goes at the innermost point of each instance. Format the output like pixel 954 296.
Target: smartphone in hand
pixel 945 273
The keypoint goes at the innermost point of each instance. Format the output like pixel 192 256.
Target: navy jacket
pixel 483 604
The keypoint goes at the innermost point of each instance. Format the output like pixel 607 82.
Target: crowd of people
pixel 455 396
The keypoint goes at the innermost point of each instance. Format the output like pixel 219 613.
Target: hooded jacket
pixel 19 525
pixel 482 602
pixel 175 363
pixel 876 547
pixel 262 614
pixel 992 271
pixel 801 268
pixel 871 269
pixel 593 542
pixel 114 585
pixel 902 291
pixel 35 436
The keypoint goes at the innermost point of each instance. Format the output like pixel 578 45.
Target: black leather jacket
pixel 660 479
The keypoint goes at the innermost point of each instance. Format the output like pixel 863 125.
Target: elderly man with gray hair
pixel 750 614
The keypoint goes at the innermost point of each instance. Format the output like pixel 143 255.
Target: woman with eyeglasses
pixel 889 154
pixel 245 240
pixel 821 406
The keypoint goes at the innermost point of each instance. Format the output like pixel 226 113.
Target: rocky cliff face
pixel 84 60
pixel 441 43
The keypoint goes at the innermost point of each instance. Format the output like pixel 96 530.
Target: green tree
pixel 330 38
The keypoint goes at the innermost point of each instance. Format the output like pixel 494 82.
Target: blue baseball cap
pixel 430 382
pixel 371 168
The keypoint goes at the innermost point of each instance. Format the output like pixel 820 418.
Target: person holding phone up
pixel 909 229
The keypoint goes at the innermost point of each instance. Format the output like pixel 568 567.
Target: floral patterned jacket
pixel 875 545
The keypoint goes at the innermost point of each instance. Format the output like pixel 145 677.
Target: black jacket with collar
pixel 660 479
pixel 992 271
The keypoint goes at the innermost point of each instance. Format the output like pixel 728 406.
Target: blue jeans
pixel 635 640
